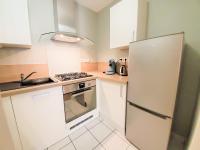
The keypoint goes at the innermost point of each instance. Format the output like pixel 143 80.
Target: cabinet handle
pixel 121 91
pixel 40 95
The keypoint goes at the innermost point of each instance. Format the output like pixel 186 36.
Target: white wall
pixel 61 57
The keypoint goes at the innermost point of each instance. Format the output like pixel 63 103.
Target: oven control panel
pixel 81 85
pixel 77 86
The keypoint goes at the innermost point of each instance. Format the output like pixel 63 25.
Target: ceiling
pixel 95 5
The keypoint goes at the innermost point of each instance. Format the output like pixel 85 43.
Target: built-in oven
pixel 79 99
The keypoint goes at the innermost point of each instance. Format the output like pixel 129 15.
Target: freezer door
pixel 154 67
pixel 147 131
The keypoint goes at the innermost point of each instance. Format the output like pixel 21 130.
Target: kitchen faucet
pixel 24 78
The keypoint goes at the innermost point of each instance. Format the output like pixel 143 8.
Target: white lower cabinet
pixel 40 118
pixel 9 137
pixel 112 102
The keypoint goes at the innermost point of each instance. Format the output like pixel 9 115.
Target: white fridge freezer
pixel 154 67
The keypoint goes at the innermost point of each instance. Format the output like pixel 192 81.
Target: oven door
pixel 79 102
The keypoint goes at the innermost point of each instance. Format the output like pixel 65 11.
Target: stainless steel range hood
pixel 65 16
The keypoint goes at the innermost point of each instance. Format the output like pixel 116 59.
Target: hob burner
pixel 72 76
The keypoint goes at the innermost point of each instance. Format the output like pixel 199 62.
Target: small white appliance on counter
pixel 111 67
pixel 154 67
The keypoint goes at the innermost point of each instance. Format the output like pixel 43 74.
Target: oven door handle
pixel 80 93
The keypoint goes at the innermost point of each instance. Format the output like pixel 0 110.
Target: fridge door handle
pixel 149 111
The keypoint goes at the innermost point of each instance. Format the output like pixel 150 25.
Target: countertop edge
pixel 115 77
pixel 96 75
pixel 44 86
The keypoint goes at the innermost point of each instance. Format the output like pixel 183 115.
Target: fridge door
pixel 147 131
pixel 154 67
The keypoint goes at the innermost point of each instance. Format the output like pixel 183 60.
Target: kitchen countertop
pixel 100 75
pixel 115 77
pixel 43 86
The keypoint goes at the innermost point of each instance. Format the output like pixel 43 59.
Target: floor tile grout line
pixel 57 142
pixel 87 130
pixel 105 139
pixel 98 145
pixel 112 129
pixel 80 134
pixel 101 142
pixel 93 126
pixel 64 145
pixel 125 140
pixel 93 136
pixel 113 132
pixel 102 146
pixel 129 144
pixel 73 143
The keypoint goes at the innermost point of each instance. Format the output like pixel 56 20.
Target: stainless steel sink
pixel 36 81
pixel 26 83
pixel 10 86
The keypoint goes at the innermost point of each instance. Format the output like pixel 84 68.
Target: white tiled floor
pixel 100 131
pixel 96 135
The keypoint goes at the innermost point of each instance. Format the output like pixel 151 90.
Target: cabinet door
pixel 40 117
pixel 112 102
pixel 123 22
pixel 9 137
pixel 14 21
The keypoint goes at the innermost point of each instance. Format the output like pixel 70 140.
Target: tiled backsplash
pixel 12 72
pixel 93 66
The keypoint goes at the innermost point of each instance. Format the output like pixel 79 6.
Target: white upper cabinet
pixel 14 24
pixel 128 20
pixel 40 118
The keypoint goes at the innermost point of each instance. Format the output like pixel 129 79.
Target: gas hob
pixel 72 76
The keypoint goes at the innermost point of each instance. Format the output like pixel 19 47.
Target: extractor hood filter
pixel 66 37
